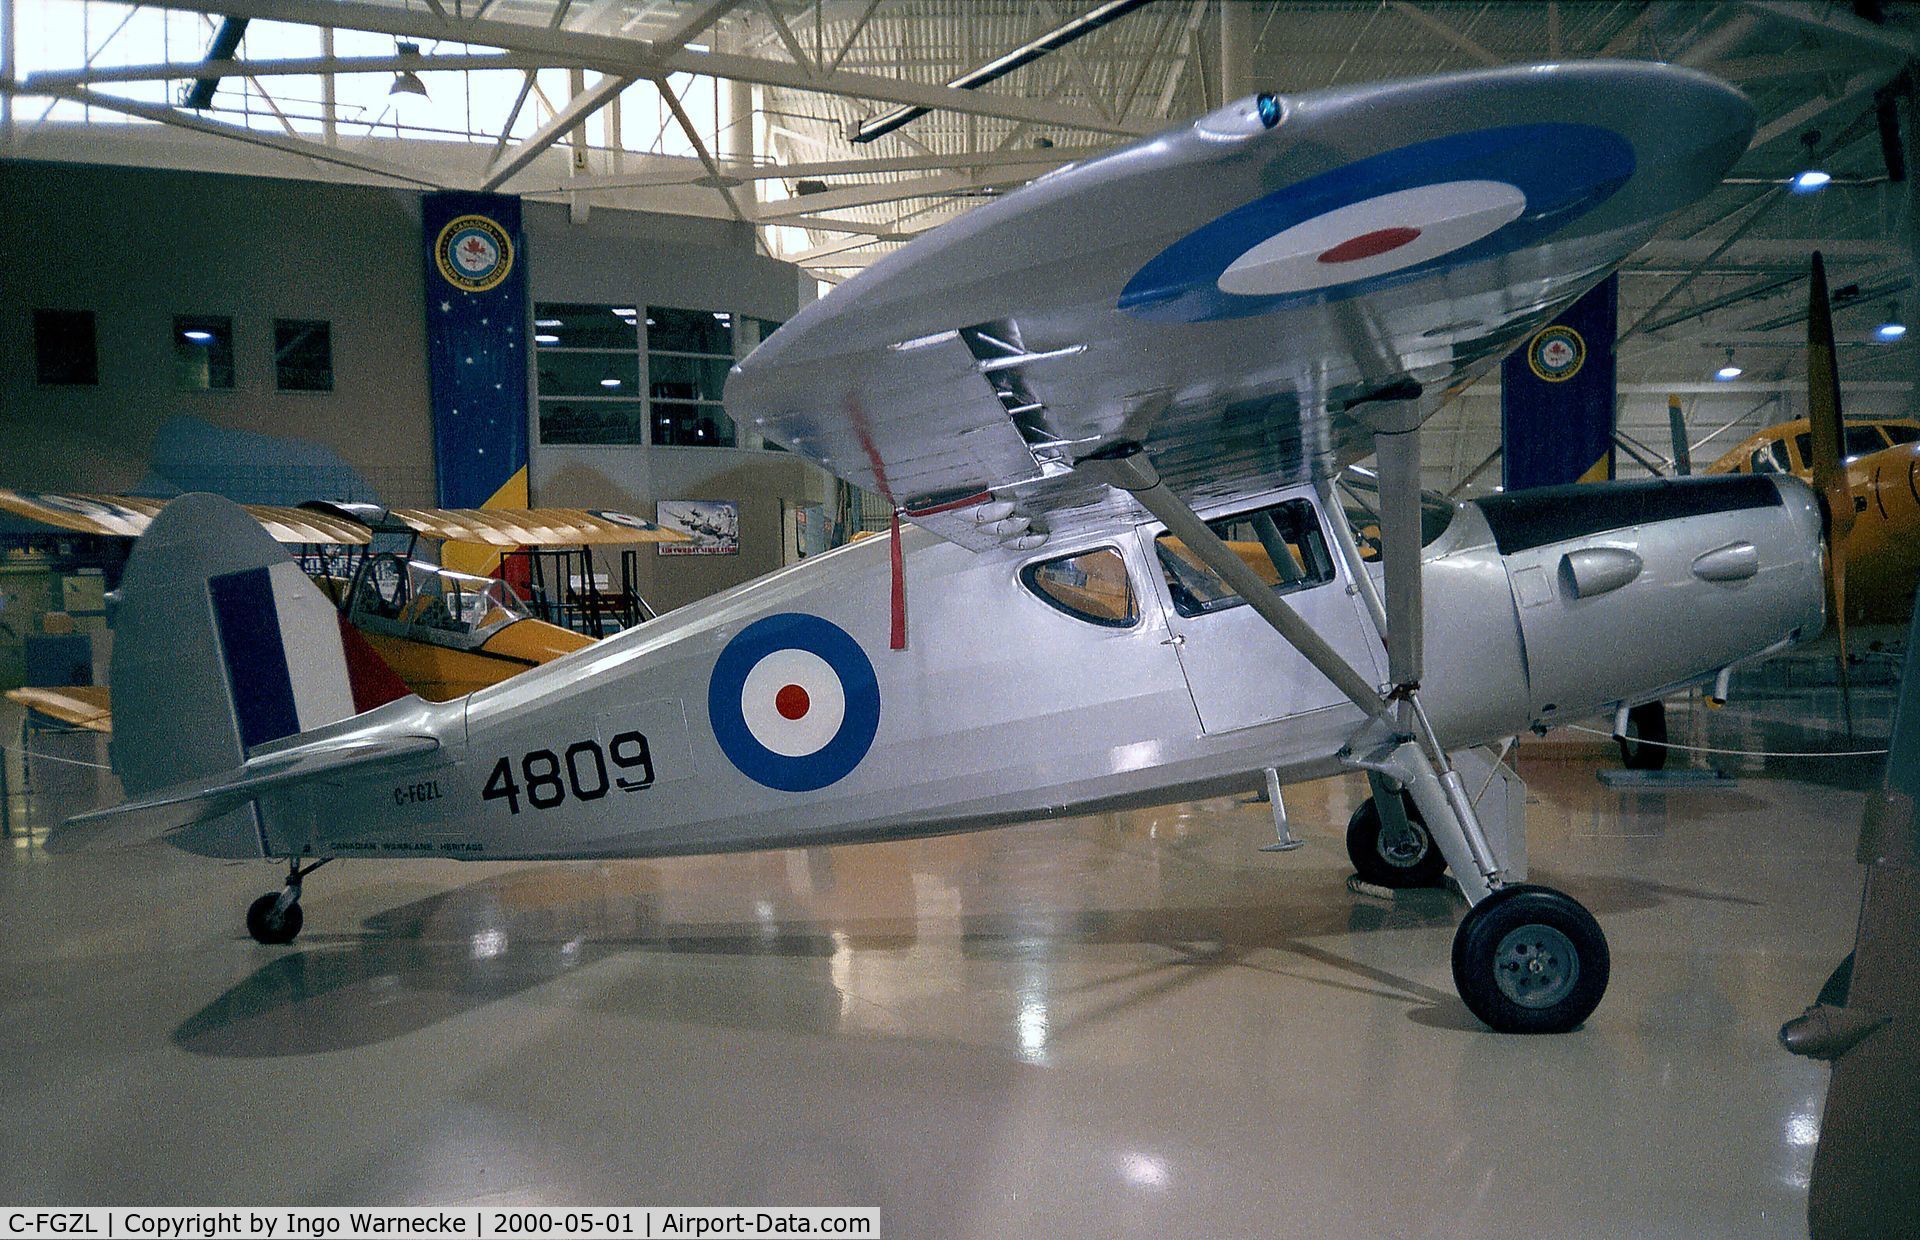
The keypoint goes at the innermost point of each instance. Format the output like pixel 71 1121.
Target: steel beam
pixel 576 112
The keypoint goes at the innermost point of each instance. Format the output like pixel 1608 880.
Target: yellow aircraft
pixel 409 626
pixel 1882 460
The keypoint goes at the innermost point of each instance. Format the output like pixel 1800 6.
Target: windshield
pixel 420 595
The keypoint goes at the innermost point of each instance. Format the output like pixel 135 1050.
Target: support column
pixel 1236 49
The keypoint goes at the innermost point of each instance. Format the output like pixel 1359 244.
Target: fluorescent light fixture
pixel 1809 181
pixel 625 312
pixel 198 336
pixel 545 338
pixel 609 382
pixel 1729 371
pixel 549 323
pixel 1890 331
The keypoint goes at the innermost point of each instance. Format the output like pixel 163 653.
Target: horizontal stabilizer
pixel 182 805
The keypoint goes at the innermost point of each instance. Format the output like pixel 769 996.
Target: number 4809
pixel 549 777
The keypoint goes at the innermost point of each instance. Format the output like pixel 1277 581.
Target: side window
pixel 1771 458
pixel 1803 444
pixel 1862 440
pixel 1091 586
pixel 1283 544
pixel 1900 432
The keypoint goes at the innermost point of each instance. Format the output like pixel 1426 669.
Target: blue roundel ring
pixel 1564 170
pixel 839 756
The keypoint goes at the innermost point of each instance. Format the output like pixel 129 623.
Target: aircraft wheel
pixel 1646 722
pixel 1385 864
pixel 268 927
pixel 1530 960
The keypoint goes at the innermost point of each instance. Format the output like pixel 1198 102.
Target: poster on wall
pixel 714 525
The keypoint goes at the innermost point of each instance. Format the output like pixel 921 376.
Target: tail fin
pixel 221 644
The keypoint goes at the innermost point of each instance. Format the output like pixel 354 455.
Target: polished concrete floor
pixel 1118 1025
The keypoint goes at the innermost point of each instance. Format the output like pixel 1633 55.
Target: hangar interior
pixel 1121 1023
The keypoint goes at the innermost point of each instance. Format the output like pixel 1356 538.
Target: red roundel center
pixel 1367 245
pixel 791 702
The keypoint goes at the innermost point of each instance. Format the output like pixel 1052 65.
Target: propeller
pixel 1677 427
pixel 1830 458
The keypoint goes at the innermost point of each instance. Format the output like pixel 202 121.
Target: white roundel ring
pixel 1374 237
pixel 794 702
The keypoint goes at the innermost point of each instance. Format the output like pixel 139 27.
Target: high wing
pixel 507 527
pixel 170 809
pixel 127 516
pixel 347 524
pixel 1248 296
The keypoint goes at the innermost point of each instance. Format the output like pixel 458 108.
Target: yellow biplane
pixel 411 626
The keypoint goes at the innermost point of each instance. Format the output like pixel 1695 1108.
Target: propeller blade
pixel 1830 459
pixel 1677 424
pixel 1823 410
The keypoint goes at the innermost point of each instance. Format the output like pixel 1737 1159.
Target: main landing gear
pixel 275 918
pixel 1397 855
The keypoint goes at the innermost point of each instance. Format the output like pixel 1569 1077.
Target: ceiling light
pixel 1729 371
pixel 198 336
pixel 625 312
pixel 545 338
pixel 1809 181
pixel 1892 328
pixel 549 323
pixel 406 81
pixel 609 382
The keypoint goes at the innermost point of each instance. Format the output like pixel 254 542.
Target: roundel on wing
pixel 794 702
pixel 1384 220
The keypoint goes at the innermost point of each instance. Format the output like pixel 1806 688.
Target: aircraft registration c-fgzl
pixel 1110 407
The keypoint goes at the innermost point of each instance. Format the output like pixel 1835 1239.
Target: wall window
pixel 64 348
pixel 302 355
pixel 587 362
pixel 1283 544
pixel 202 352
pixel 688 355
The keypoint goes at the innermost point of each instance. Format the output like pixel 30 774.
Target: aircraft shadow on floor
pixel 440 957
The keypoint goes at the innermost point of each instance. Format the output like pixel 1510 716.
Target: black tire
pixel 1530 960
pixel 266 927
pixel 1839 984
pixel 1646 722
pixel 1384 867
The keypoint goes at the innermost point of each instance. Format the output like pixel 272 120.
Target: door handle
pixel 1178 639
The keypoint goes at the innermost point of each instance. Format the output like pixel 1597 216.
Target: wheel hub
pixel 1405 851
pixel 1536 966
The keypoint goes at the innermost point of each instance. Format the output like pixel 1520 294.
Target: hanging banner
pixel 476 281
pixel 1557 396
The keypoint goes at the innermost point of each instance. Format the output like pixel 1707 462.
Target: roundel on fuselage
pixel 794 702
pixel 1384 220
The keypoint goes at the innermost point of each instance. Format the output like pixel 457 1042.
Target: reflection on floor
pixel 1116 1025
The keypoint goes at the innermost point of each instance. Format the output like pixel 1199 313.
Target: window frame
pixel 1029 570
pixel 304 327
pixel 1326 558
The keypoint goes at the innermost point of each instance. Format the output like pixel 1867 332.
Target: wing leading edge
pixel 1250 295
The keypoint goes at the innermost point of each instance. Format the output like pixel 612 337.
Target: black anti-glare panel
pixel 1542 515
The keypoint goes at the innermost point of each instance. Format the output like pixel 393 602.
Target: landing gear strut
pixel 275 918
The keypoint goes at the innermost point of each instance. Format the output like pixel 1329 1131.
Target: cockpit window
pixel 428 600
pixel 1862 440
pixel 1803 444
pixel 1900 432
pixel 1771 458
pixel 1283 544
pixel 1091 586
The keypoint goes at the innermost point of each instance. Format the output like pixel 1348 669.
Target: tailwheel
pixel 1530 960
pixel 268 923
pixel 275 918
pixel 1386 859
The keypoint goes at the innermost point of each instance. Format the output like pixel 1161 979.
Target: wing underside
pixel 1249 296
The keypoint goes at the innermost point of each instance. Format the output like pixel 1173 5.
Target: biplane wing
pixel 1248 298
pixel 87 707
pixel 128 516
pixel 349 524
pixel 506 527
